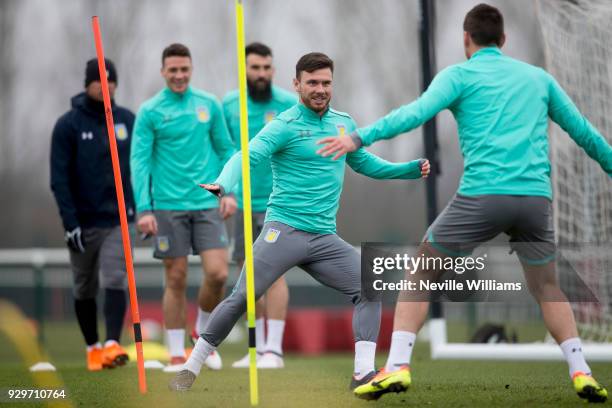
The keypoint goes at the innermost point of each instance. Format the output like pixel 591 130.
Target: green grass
pixel 313 382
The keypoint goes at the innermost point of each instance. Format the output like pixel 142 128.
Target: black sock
pixel 114 312
pixel 87 315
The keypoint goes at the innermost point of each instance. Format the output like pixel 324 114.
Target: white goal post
pixel 441 349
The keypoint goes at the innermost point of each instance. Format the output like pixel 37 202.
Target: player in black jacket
pixel 83 185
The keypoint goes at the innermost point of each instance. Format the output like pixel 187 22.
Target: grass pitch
pixel 315 382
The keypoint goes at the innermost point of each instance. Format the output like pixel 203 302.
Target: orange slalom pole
pixel 127 248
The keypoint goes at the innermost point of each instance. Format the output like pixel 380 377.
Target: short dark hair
pixel 259 49
pixel 313 61
pixel 175 50
pixel 485 24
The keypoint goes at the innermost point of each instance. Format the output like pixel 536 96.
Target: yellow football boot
pixel 384 382
pixel 588 388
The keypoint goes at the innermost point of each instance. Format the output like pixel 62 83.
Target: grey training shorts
pixel 468 221
pixel 101 265
pixel 258 223
pixel 180 233
pixel 326 257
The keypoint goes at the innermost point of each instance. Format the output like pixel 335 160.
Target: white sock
pixel 365 352
pixel 198 355
pixel 176 342
pixel 93 346
pixel 274 342
pixel 260 335
pixel 110 343
pixel 572 350
pixel 400 353
pixel 201 321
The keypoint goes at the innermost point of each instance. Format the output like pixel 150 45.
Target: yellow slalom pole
pixel 246 200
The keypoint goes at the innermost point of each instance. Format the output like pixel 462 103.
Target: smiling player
pixel 300 227
pixel 180 135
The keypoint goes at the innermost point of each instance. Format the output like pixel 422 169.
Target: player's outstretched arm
pixel 563 112
pixel 370 165
pixel 441 94
pixel 270 139
pixel 443 91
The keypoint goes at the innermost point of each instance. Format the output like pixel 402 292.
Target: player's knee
pixel 115 281
pixel 176 279
pixel 176 284
pixel 542 282
pixel 85 289
pixel 237 300
pixel 542 289
pixel 216 277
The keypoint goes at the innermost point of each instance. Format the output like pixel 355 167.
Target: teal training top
pixel 260 113
pixel 178 140
pixel 306 186
pixel 501 106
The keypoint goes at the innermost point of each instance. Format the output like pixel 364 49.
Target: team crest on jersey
pixel 203 114
pixel 121 132
pixel 163 244
pixel 272 235
pixel 269 116
pixel 341 130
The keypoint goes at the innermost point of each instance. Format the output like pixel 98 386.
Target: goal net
pixel 577 38
pixel 577 42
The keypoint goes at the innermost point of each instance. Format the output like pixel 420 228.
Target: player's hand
pixel 74 240
pixel 215 189
pixel 147 224
pixel 227 206
pixel 340 145
pixel 425 168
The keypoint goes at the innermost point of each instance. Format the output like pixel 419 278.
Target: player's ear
pixel 502 40
pixel 296 85
pixel 466 39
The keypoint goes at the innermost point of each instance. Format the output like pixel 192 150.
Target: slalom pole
pixel 246 200
pixel 127 248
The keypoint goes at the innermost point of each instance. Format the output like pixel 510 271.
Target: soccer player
pixel 265 101
pixel 180 135
pixel 84 189
pixel 502 107
pixel 300 227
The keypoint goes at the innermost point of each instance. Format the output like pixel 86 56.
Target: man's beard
pixel 311 106
pixel 258 93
